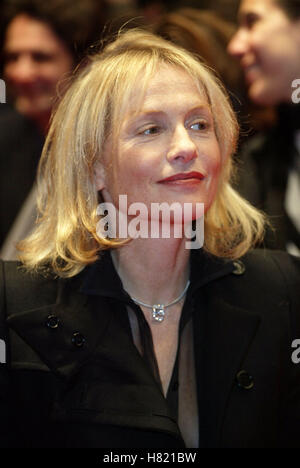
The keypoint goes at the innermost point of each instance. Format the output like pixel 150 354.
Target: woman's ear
pixel 99 176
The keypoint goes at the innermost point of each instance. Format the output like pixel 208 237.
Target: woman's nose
pixel 182 147
pixel 238 45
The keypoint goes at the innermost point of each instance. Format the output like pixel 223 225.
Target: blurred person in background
pixel 35 60
pixel 42 43
pixel 267 45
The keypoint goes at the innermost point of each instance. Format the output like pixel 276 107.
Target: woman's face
pixel 168 150
pixel 267 44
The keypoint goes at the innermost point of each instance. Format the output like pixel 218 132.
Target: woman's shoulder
pixel 272 265
pixel 14 272
pixel 266 280
pixel 19 287
pixel 261 280
pixel 269 272
pixel 257 264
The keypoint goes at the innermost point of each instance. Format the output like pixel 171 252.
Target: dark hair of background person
pixel 291 7
pixel 205 34
pixel 227 9
pixel 78 23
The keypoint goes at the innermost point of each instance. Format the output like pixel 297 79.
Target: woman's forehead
pixel 167 76
pixel 167 82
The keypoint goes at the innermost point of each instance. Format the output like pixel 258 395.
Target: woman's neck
pixel 153 270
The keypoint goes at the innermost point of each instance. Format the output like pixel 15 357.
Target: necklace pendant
pixel 158 312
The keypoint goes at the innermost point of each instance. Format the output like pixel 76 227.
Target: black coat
pixel 74 378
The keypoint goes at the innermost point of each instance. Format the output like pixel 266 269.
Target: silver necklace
pixel 158 310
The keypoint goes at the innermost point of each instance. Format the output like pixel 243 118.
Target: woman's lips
pixel 184 178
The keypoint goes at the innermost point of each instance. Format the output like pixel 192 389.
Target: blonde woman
pixel 144 340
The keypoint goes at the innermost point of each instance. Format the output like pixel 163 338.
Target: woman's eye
pixel 200 125
pixel 150 130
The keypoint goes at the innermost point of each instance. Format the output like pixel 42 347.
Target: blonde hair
pixel 65 236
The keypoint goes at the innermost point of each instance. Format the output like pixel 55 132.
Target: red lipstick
pixel 184 177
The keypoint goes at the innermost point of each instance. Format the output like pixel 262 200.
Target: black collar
pixel 101 278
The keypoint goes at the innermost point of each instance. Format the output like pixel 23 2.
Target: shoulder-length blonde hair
pixel 65 236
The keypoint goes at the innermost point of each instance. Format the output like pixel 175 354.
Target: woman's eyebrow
pixel 135 117
pixel 144 113
pixel 154 112
pixel 201 108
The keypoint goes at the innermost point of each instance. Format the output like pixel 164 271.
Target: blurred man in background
pixel 267 45
pixel 42 43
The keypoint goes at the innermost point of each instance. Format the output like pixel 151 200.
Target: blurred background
pixel 43 43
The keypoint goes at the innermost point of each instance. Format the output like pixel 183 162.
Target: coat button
pixel 244 380
pixel 52 322
pixel 78 340
pixel 239 267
